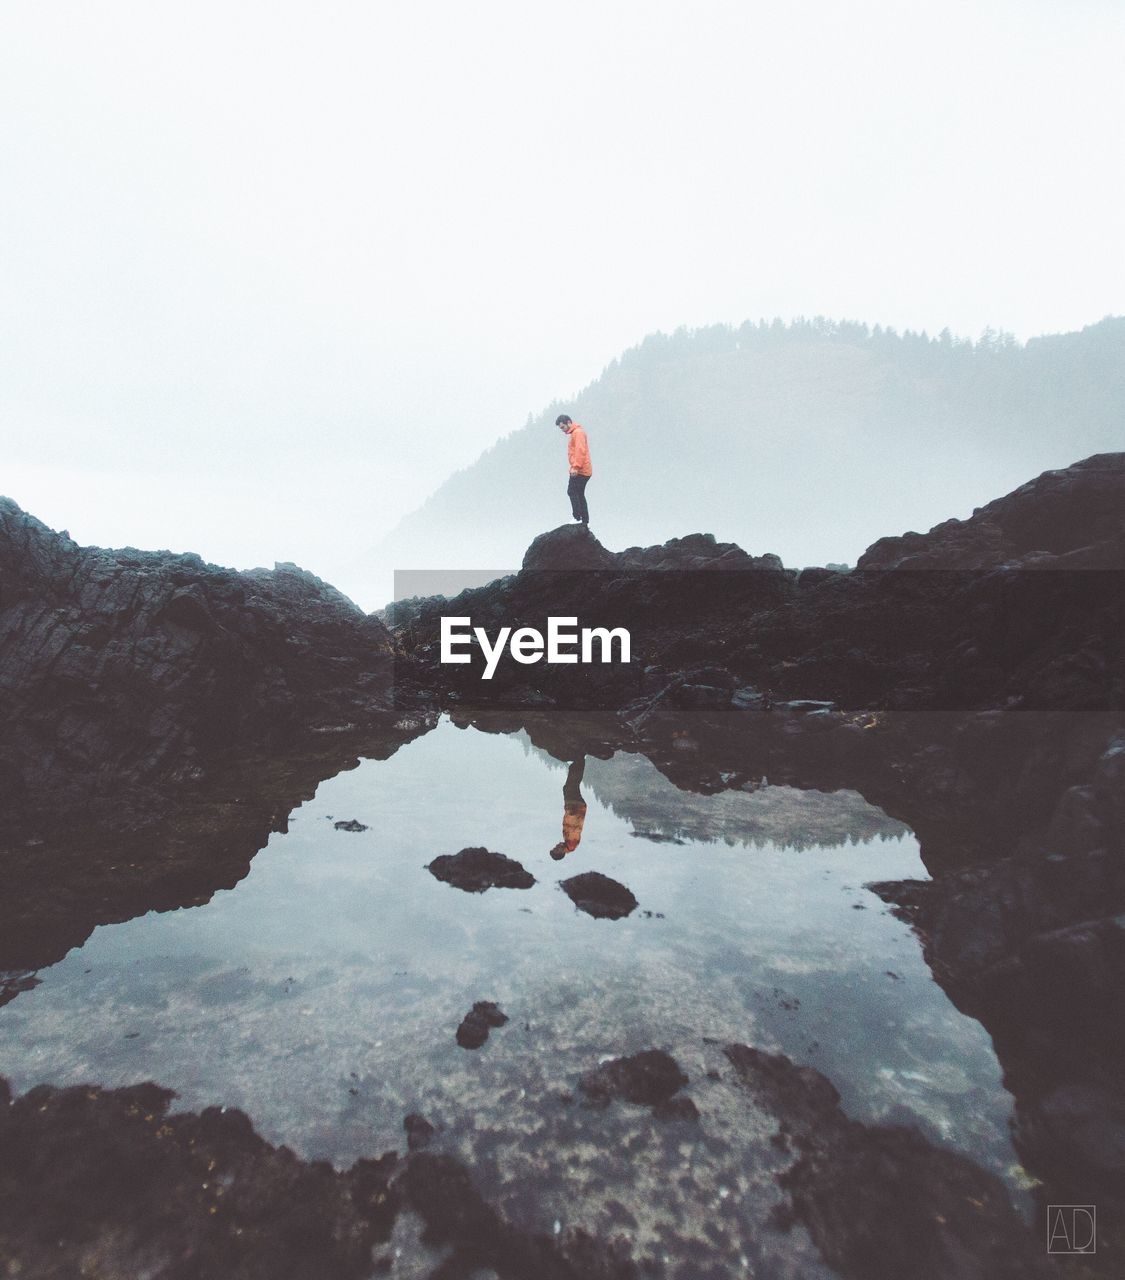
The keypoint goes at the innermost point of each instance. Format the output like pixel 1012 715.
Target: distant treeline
pixel 810 438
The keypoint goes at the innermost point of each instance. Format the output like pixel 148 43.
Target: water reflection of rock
pixel 201 838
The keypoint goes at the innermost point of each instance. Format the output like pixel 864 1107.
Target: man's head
pixel 563 422
pixel 560 851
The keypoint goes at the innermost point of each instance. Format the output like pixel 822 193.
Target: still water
pixel 322 994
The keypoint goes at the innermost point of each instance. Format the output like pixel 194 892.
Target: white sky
pixel 269 271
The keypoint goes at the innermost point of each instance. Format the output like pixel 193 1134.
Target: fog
pixel 270 272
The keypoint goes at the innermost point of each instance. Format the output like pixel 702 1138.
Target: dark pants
pixel 577 493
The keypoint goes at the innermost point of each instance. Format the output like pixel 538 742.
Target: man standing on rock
pixel 578 455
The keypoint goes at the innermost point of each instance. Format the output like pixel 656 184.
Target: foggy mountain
pixel 809 440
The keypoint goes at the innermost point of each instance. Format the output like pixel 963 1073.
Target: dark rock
pixel 680 1108
pixel 747 699
pixel 350 825
pixel 87 1171
pixel 478 1022
pixel 565 549
pixel 649 1079
pixel 881 1200
pixel 701 695
pixel 188 608
pixel 475 870
pixel 12 984
pixel 599 896
pixel 1074 509
pixel 440 1190
pixel 142 659
pixel 802 1094
pixel 419 1131
pixel 1083 1124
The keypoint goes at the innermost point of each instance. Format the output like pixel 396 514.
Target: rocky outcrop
pixel 90 1173
pixel 1070 518
pixel 881 1200
pixel 159 717
pixel 965 617
pixel 124 671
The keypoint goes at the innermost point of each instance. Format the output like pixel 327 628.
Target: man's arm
pixel 579 452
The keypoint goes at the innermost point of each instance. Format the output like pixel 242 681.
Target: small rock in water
pixel 477 1023
pixel 475 870
pixel 350 825
pixel 599 896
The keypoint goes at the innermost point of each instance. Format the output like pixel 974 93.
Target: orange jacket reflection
pixel 574 810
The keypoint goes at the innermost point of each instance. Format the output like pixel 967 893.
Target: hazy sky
pixel 268 272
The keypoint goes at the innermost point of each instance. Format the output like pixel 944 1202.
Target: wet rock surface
pixel 419 1131
pixel 881 1200
pixel 478 1022
pixel 478 869
pixel 648 1079
pixel 599 896
pixel 87 1173
pixel 148 663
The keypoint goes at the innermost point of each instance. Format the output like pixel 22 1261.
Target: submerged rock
pixel 599 896
pixel 475 870
pixel 112 1175
pixel 649 1079
pixel 419 1131
pixel 880 1200
pixel 478 1022
pixel 350 825
pixel 88 1173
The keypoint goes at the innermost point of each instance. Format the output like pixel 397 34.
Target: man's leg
pixel 577 491
pixel 577 501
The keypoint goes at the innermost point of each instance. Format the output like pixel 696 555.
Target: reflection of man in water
pixel 574 811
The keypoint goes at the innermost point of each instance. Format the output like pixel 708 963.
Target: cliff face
pixel 126 669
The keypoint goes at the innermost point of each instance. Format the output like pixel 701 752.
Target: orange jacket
pixel 574 817
pixel 578 451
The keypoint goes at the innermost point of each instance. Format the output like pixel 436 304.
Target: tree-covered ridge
pixel 808 438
